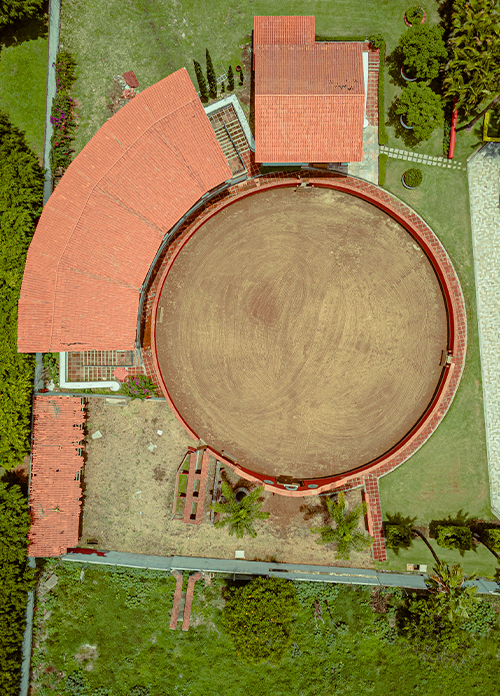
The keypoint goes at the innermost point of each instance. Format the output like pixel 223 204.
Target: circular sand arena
pixel 301 332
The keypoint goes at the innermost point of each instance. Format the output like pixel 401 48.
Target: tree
pixel 240 514
pixel 421 109
pixel 473 71
pixel 230 79
pixel 423 51
pixel 21 195
pixel 14 10
pixel 202 83
pixel 399 532
pixel 454 537
pixel 212 79
pixel 16 578
pixel 345 533
pixel 259 618
pixel 452 597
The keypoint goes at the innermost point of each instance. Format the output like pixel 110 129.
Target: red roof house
pixel 101 228
pixel 55 493
pixel 309 96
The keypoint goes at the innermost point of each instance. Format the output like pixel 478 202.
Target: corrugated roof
pixel 55 491
pixel 101 228
pixel 309 101
pixel 283 30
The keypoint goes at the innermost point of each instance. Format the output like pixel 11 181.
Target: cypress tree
pixel 241 76
pixel 230 79
pixel 202 83
pixel 212 80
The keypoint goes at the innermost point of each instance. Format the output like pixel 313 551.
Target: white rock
pixel 96 435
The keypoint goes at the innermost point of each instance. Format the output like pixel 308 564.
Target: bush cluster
pixel 414 14
pixel 12 11
pixel 62 116
pixel 21 197
pixel 382 159
pixel 139 387
pixel 413 177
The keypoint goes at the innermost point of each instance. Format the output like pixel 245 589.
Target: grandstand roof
pixel 309 97
pixel 101 228
pixel 56 462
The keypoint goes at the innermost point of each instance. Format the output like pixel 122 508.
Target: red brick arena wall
pixel 453 300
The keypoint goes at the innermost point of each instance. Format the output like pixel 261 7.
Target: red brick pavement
pixel 189 600
pixel 174 616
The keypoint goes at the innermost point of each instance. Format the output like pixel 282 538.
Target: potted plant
pixel 415 15
pixel 412 178
pixel 420 109
pixel 422 51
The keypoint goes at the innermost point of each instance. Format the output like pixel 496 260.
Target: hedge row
pixel 382 159
pixel 16 578
pixel 340 38
pixel 383 138
pixel 21 196
pixel 62 117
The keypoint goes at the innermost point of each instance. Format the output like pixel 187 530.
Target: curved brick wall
pixel 367 475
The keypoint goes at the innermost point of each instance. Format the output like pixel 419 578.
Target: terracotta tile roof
pixel 309 101
pixel 283 30
pixel 54 492
pixel 101 228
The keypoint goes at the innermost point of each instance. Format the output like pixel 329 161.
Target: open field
pixel 111 630
pixel 129 495
pixel 23 69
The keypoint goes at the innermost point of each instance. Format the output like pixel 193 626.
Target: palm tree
pixel 239 514
pixel 452 597
pixel 402 533
pixel 345 533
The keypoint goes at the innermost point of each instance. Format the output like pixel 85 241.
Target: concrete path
pixel 483 172
pixel 337 574
pixel 54 26
pixel 368 167
pixel 410 156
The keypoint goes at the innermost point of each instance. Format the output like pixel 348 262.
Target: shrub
pixel 454 537
pixel 21 195
pixel 398 536
pixel 139 387
pixel 212 79
pixel 242 76
pixel 259 618
pixel 62 117
pixel 16 578
pixel 492 538
pixel 414 14
pixel 382 159
pixel 413 177
pixel 240 515
pixel 51 366
pixel 12 11
pixel 423 51
pixel 421 109
pixel 230 79
pixel 202 83
pixel 378 41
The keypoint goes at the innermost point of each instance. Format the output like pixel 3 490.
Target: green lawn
pixel 115 635
pixel 23 71
pixel 156 37
pixel 449 473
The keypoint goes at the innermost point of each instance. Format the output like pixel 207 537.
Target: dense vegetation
pixel 336 639
pixel 12 11
pixel 15 581
pixel 21 192
pixel 62 117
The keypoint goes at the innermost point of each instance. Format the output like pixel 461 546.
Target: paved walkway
pixel 368 167
pixel 484 177
pixel 410 156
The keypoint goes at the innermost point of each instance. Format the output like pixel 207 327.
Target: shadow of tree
pixel 319 509
pixel 403 134
pixel 27 30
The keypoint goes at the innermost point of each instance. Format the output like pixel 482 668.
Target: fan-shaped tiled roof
pixel 55 493
pixel 102 226
pixel 309 98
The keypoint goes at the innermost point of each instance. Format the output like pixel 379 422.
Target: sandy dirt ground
pixel 129 484
pixel 301 331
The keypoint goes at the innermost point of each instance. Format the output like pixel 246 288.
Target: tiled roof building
pixel 309 97
pixel 55 493
pixel 101 228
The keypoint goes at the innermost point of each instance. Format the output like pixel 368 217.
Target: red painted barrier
pixel 453 133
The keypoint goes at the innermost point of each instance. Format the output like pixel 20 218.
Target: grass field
pixel 156 37
pixel 449 473
pixel 112 630
pixel 23 70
